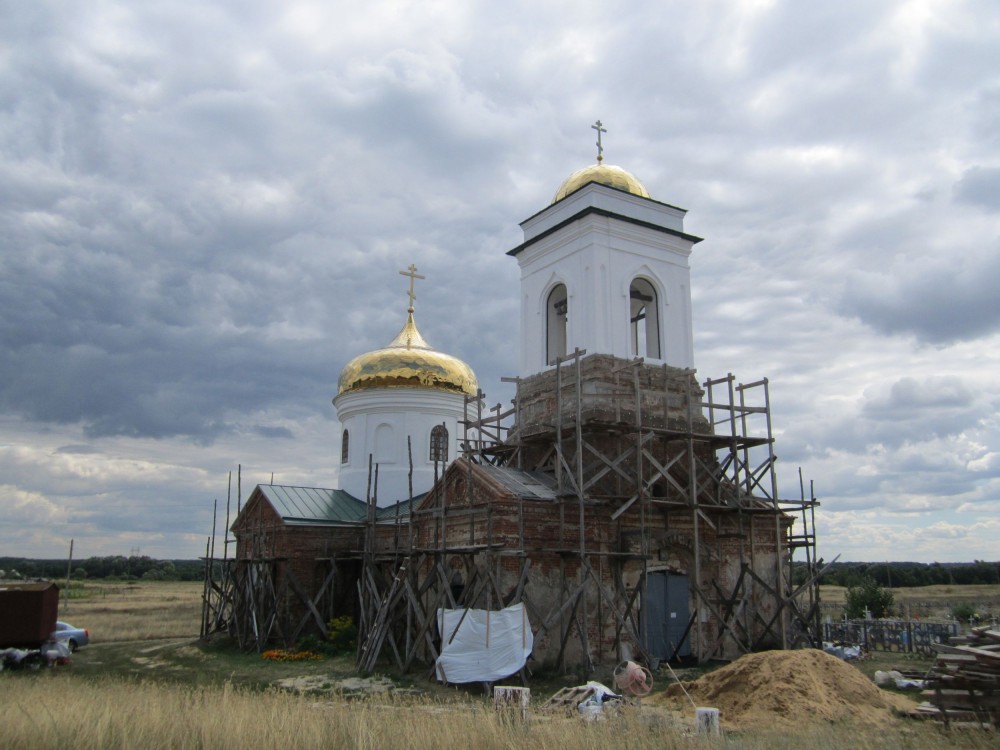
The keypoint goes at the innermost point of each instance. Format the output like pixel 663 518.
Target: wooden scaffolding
pixel 255 597
pixel 617 448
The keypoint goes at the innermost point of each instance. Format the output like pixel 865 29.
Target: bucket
pixel 706 720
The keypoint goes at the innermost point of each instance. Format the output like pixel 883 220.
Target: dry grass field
pixel 43 713
pixel 134 611
pixel 928 602
pixel 146 683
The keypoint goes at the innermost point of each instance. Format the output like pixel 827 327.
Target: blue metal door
pixel 665 616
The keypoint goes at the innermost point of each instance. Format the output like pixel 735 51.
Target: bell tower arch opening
pixel 556 317
pixel 644 319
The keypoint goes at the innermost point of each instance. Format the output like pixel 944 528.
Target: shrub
pixel 342 633
pixel 868 595
pixel 963 612
pixel 315 645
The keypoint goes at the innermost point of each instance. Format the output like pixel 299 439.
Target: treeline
pixel 116 567
pixel 888 574
pixel 909 574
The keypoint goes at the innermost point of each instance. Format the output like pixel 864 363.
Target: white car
pixel 72 637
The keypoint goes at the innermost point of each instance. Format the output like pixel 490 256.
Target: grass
pixel 146 682
pixel 134 611
pixel 42 712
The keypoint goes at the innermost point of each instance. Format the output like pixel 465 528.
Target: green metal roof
pixel 313 504
pixel 388 513
pixel 530 485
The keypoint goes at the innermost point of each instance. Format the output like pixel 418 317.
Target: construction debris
pixel 964 684
pixel 587 700
pixel 899 680
pixel 844 651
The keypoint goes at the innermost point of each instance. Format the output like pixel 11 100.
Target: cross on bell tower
pixel 605 269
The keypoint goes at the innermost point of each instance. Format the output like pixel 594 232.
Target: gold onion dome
pixel 605 174
pixel 408 362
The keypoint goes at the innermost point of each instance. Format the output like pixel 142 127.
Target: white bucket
pixel 706 720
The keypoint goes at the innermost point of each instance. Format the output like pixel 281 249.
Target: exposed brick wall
pixel 551 526
pixel 608 395
pixel 470 515
pixel 302 552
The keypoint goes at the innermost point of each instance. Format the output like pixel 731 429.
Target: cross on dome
pixel 412 273
pixel 599 127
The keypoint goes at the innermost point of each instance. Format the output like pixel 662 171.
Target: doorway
pixel 667 612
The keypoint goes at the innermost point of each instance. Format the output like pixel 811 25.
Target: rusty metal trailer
pixel 28 613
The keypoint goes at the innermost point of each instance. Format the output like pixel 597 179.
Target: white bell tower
pixel 605 268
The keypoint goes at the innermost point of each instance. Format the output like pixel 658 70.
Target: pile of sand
pixel 785 688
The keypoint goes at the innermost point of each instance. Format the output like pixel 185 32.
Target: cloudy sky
pixel 204 207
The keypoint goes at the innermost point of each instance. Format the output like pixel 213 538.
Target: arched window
pixel 645 319
pixel 345 447
pixel 439 443
pixel 556 309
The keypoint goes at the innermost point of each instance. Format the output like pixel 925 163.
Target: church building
pixel 630 508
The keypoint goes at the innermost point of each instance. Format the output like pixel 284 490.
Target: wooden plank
pixel 985 632
pixel 550 620
pixel 568 699
pixel 522 581
pixel 962 699
pixel 423 621
pixel 987 657
pixel 956 658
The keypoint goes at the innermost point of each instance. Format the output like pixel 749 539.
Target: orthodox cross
pixel 412 273
pixel 599 127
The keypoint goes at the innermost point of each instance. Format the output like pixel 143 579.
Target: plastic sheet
pixel 479 645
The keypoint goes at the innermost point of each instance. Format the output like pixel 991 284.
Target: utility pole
pixel 69 568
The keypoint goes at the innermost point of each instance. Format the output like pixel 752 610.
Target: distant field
pixel 145 610
pixel 925 602
pixel 134 611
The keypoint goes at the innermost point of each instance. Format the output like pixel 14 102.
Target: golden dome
pixel 408 362
pixel 605 174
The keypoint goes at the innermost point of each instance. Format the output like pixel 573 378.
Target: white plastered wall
pixel 597 256
pixel 395 414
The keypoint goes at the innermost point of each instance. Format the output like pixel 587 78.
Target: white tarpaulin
pixel 480 645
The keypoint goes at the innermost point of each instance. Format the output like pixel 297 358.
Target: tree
pixel 868 595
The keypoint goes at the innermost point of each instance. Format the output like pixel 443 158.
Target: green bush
pixel 314 645
pixel 342 633
pixel 963 612
pixel 342 636
pixel 868 595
